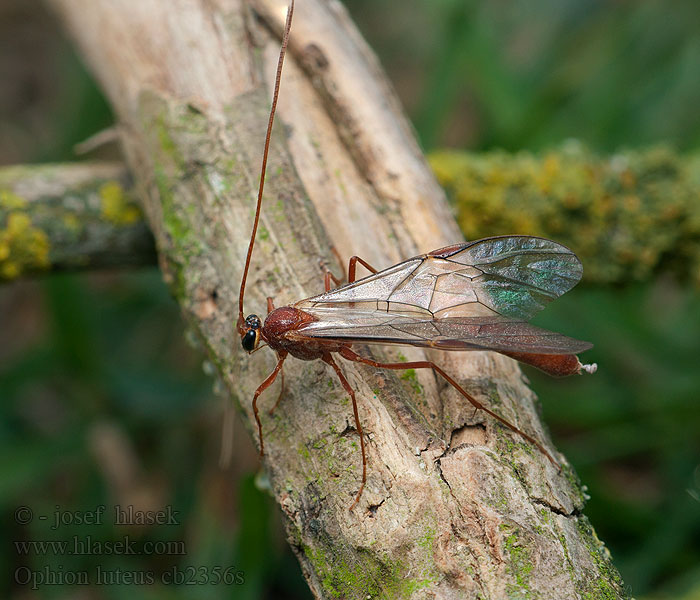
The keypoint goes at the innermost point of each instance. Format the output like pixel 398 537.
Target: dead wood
pixel 70 217
pixel 455 506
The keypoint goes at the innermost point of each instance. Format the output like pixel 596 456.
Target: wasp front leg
pixel 263 386
pixel 270 308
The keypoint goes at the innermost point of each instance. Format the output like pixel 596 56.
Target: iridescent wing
pixel 472 296
pixel 510 276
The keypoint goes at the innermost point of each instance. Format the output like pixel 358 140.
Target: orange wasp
pixel 470 296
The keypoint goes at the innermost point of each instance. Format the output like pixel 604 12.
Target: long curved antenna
pixel 283 50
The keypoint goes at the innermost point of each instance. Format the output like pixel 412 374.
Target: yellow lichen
pixel 116 206
pixel 9 270
pixel 71 222
pixel 11 201
pixel 626 216
pixel 23 247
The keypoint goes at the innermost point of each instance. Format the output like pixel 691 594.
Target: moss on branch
pixel 628 215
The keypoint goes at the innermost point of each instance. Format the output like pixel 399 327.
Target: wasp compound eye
pixel 250 340
pixel 253 321
pixel 252 335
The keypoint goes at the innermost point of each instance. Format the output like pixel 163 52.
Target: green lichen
pixel 627 216
pixel 23 246
pixel 574 483
pixel 169 125
pixel 363 576
pixel 166 143
pixel 337 454
pixel 174 276
pixel 170 167
pixel 565 547
pixel 505 440
pixel 605 583
pixel 427 540
pixel 493 394
pixel 339 180
pixel 520 563
pixel 116 206
pixel 303 451
pixel 176 224
pixel 319 443
pixel 410 376
pixel 510 443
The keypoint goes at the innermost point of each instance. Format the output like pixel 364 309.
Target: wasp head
pixel 250 333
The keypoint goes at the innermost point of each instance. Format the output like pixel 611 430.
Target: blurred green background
pixel 103 401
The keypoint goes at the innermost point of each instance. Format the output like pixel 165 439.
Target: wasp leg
pixel 263 386
pixel 352 270
pixel 279 398
pixel 329 360
pixel 352 267
pixel 270 308
pixel 327 277
pixel 425 364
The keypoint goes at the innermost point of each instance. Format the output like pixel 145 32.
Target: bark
pixel 623 222
pixel 455 506
pixel 79 216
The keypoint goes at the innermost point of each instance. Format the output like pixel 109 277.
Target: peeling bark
pixel 455 505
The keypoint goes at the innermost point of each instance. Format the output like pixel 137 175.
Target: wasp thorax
pixel 251 335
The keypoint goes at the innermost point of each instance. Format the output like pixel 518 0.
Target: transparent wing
pixel 509 276
pixel 452 333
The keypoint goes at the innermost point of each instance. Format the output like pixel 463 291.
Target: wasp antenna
pixel 280 62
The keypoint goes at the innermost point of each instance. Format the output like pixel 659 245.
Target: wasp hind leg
pixel 352 267
pixel 352 270
pixel 425 364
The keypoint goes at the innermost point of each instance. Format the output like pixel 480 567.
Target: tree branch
pixel 600 205
pixel 80 216
pixel 630 216
pixel 455 506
